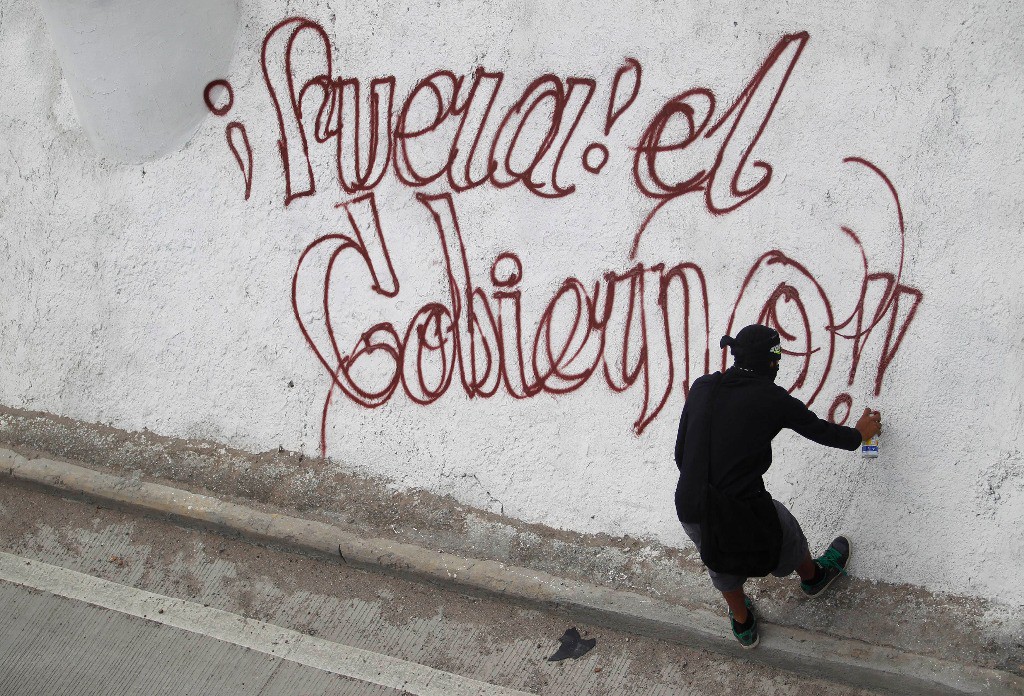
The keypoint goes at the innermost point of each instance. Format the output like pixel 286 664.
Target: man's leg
pixel 744 623
pixel 794 555
pixel 807 570
pixel 816 574
pixel 736 599
pixel 742 618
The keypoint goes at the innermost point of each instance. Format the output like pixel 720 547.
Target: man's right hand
pixel 869 425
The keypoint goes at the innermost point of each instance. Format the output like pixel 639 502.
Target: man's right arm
pixel 802 420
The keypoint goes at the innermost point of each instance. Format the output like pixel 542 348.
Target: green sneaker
pixel 833 562
pixel 748 638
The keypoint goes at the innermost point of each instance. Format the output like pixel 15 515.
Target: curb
pixel 856 663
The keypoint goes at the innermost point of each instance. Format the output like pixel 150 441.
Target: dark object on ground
pixel 573 645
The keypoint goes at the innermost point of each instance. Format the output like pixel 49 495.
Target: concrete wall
pixel 321 270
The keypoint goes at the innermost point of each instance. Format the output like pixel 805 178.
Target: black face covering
pixel 755 349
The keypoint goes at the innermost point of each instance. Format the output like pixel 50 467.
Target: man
pixel 724 445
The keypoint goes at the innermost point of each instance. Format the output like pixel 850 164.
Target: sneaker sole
pixel 829 583
pixel 752 645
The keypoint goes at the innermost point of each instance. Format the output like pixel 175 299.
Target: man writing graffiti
pixel 723 448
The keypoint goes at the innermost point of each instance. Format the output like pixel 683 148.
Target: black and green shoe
pixel 748 638
pixel 832 564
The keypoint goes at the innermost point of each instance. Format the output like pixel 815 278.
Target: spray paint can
pixel 869 447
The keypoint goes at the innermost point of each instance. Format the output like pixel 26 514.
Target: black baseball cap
pixel 754 346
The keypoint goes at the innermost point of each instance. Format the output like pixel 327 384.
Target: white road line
pixel 283 643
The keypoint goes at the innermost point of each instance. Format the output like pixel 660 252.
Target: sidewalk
pixel 920 643
pixel 784 647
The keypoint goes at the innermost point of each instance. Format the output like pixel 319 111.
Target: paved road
pixel 96 601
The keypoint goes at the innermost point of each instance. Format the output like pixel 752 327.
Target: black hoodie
pixel 748 412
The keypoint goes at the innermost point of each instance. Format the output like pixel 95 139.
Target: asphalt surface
pixel 239 618
pixel 55 645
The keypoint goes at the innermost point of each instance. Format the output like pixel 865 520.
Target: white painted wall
pixel 131 67
pixel 156 295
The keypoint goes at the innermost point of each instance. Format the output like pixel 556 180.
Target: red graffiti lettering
pixel 443 113
pixel 639 326
pixel 645 329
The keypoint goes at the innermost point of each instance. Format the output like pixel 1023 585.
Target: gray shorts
pixel 794 550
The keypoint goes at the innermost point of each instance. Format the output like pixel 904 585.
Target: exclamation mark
pixel 625 89
pixel 234 133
